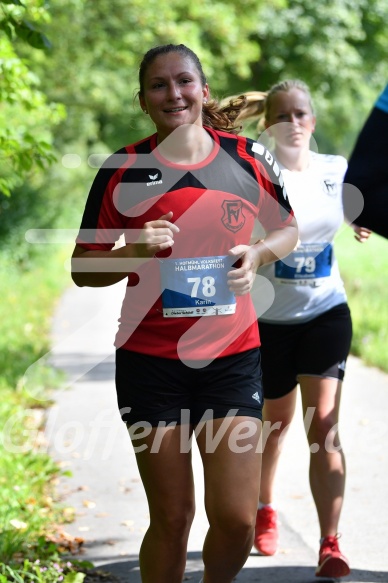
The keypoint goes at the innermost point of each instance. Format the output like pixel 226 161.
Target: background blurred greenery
pixel 68 79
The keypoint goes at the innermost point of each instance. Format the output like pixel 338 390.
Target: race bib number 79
pixel 309 264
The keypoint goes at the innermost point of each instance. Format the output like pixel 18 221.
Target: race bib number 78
pixel 197 286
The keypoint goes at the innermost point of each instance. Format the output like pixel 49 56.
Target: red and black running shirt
pixel 215 204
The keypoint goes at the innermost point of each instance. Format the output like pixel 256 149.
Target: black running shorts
pixel 318 347
pixel 154 389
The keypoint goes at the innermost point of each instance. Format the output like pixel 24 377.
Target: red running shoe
pixel 332 562
pixel 266 531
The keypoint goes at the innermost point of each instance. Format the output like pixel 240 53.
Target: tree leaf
pixel 74 577
pixel 17 2
pixel 4 25
pixel 27 32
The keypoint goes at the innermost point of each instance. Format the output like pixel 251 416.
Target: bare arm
pixel 101 268
pixel 94 268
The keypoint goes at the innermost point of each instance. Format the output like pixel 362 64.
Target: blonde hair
pixel 258 103
pixel 286 86
pixel 253 108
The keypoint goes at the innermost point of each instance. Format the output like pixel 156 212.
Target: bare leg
pixel 277 416
pixel 168 482
pixel 327 461
pixel 232 479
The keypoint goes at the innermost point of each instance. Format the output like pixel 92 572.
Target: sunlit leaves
pixel 14 23
pixel 25 120
pixel 339 47
pixel 26 117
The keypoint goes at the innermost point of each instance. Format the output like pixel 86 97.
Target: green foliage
pixel 364 269
pixel 26 116
pixel 40 572
pixel 14 23
pixel 27 473
pixel 49 568
pixel 23 506
pixel 45 571
pixel 28 293
pixel 100 52
pixel 338 47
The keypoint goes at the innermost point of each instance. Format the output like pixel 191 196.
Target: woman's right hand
pixel 156 236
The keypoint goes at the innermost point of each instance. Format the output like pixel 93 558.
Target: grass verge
pixel 31 548
pixel 364 269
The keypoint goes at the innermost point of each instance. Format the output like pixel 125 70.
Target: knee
pixel 241 530
pixel 324 432
pixel 174 522
pixel 235 525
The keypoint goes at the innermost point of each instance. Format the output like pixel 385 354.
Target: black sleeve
pixel 368 171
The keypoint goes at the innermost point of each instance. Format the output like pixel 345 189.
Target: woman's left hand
pixel 240 279
pixel 361 233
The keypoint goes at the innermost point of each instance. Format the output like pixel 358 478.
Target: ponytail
pixel 258 103
pixel 224 116
pixel 253 109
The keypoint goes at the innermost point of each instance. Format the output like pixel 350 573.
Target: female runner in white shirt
pixel 306 333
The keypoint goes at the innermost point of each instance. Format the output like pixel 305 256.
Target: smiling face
pixel 290 118
pixel 173 92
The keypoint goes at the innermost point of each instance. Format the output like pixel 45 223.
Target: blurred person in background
pixel 368 170
pixel 306 333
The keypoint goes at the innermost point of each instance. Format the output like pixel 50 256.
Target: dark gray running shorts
pixel 154 389
pixel 318 347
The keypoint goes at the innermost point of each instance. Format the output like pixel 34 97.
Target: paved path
pixel 85 433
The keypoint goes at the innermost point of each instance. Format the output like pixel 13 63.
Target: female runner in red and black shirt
pixel 188 360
